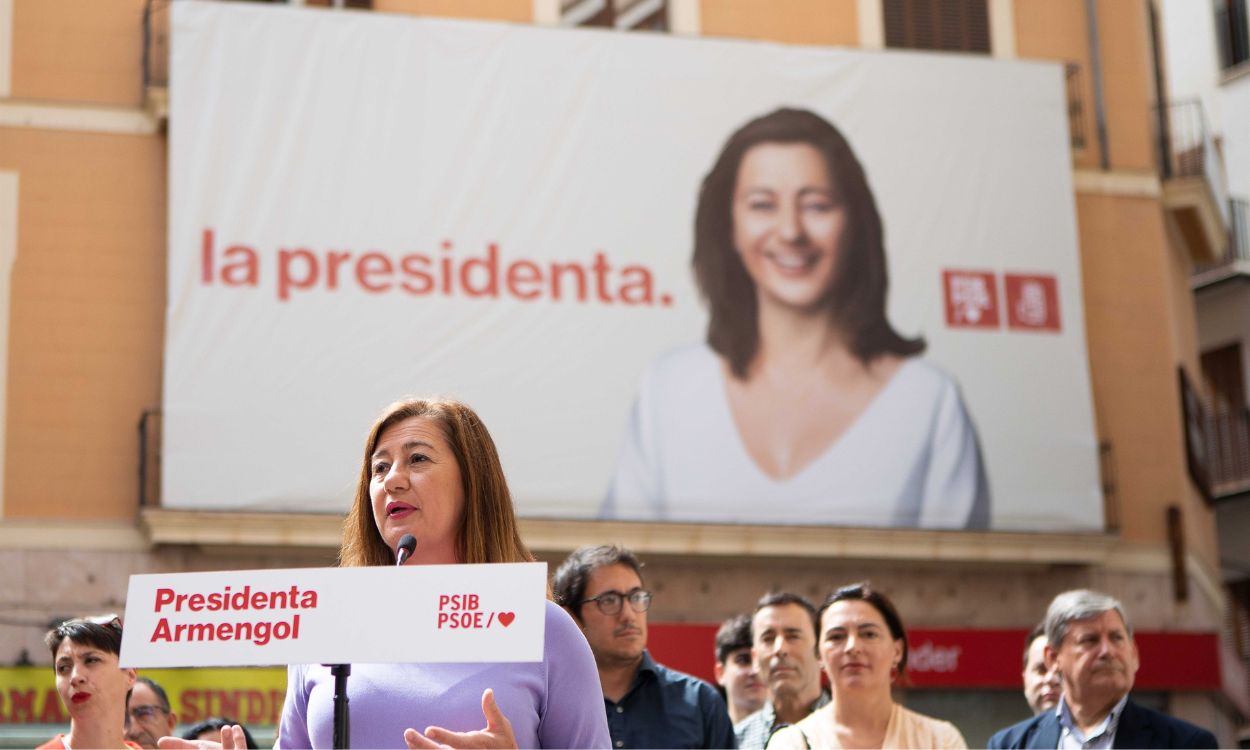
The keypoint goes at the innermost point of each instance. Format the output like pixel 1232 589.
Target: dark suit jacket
pixel 1139 727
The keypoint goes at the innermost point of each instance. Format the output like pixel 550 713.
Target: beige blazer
pixel 907 729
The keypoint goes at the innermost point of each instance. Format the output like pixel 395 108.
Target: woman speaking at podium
pixel 431 470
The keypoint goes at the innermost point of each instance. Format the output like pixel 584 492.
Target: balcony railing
pixel 1076 105
pixel 1236 258
pixel 1188 150
pixel 1217 443
pixel 155 44
pixel 1228 452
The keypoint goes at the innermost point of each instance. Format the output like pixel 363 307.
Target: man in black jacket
pixel 1088 639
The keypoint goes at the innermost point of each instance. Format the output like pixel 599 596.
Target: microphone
pixel 407 545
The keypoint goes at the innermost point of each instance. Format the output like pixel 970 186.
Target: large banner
pixel 680 279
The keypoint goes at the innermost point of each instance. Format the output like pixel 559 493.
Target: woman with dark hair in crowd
pixel 863 651
pixel 91 685
pixel 430 469
pixel 804 393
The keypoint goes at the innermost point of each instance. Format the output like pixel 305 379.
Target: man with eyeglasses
pixel 148 717
pixel 648 704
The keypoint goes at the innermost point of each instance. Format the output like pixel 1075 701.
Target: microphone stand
pixel 342 716
pixel 342 719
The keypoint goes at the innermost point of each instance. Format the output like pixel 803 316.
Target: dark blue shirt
pixel 667 708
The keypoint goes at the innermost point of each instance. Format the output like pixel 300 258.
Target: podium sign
pixel 418 613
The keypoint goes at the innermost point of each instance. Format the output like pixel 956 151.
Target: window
pixel 1232 29
pixel 955 25
pixel 648 15
pixel 1239 597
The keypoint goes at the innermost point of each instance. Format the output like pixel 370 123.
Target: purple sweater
pixel 557 702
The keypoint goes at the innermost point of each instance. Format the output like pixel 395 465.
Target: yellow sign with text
pixel 252 696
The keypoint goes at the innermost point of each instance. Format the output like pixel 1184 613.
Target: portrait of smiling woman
pixel 804 405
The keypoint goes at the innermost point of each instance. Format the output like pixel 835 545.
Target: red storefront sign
pixel 974 658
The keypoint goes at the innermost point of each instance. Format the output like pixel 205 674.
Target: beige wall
pixel 1057 31
pixel 87 319
pixel 1128 82
pixel 1052 30
pixel 831 22
pixel 78 50
pixel 521 11
pixel 1139 324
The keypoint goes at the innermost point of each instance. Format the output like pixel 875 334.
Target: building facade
pixel 83 159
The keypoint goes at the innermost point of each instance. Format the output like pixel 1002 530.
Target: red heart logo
pixel 506 618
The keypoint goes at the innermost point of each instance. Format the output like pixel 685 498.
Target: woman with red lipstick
pixel 804 396
pixel 430 469
pixel 863 650
pixel 91 685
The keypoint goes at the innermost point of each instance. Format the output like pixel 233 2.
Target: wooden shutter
pixel 954 25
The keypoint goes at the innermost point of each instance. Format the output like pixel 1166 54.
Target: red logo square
pixel 1032 302
pixel 971 299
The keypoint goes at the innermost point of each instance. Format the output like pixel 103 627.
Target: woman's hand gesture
pixel 231 739
pixel 497 734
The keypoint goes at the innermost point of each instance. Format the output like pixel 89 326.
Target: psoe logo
pixel 971 299
pixel 464 612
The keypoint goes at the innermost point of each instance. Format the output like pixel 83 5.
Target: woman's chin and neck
pixel 90 733
pixel 862 706
pixel 794 338
pixel 801 337
pixel 440 556
pixel 428 552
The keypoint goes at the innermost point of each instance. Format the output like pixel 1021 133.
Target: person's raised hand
pixel 497 734
pixel 232 738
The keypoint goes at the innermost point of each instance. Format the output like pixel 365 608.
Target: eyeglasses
pixel 108 621
pixel 139 713
pixel 610 602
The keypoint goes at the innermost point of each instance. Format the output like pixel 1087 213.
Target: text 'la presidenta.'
pixel 488 274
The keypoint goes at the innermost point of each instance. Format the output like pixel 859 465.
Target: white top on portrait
pixel 910 460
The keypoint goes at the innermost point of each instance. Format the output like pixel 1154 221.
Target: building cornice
pixel 90 118
pixel 1125 183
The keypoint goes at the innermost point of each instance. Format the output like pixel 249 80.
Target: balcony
pixel 1193 180
pixel 1235 260
pixel 1228 453
pixel 1217 443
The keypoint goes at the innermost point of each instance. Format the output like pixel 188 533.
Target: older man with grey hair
pixel 1090 642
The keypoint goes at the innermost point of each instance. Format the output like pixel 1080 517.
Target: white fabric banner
pixel 365 206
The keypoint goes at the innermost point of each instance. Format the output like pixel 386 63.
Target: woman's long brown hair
pixel 488 531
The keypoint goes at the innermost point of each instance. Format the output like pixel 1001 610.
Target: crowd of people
pixel 430 469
